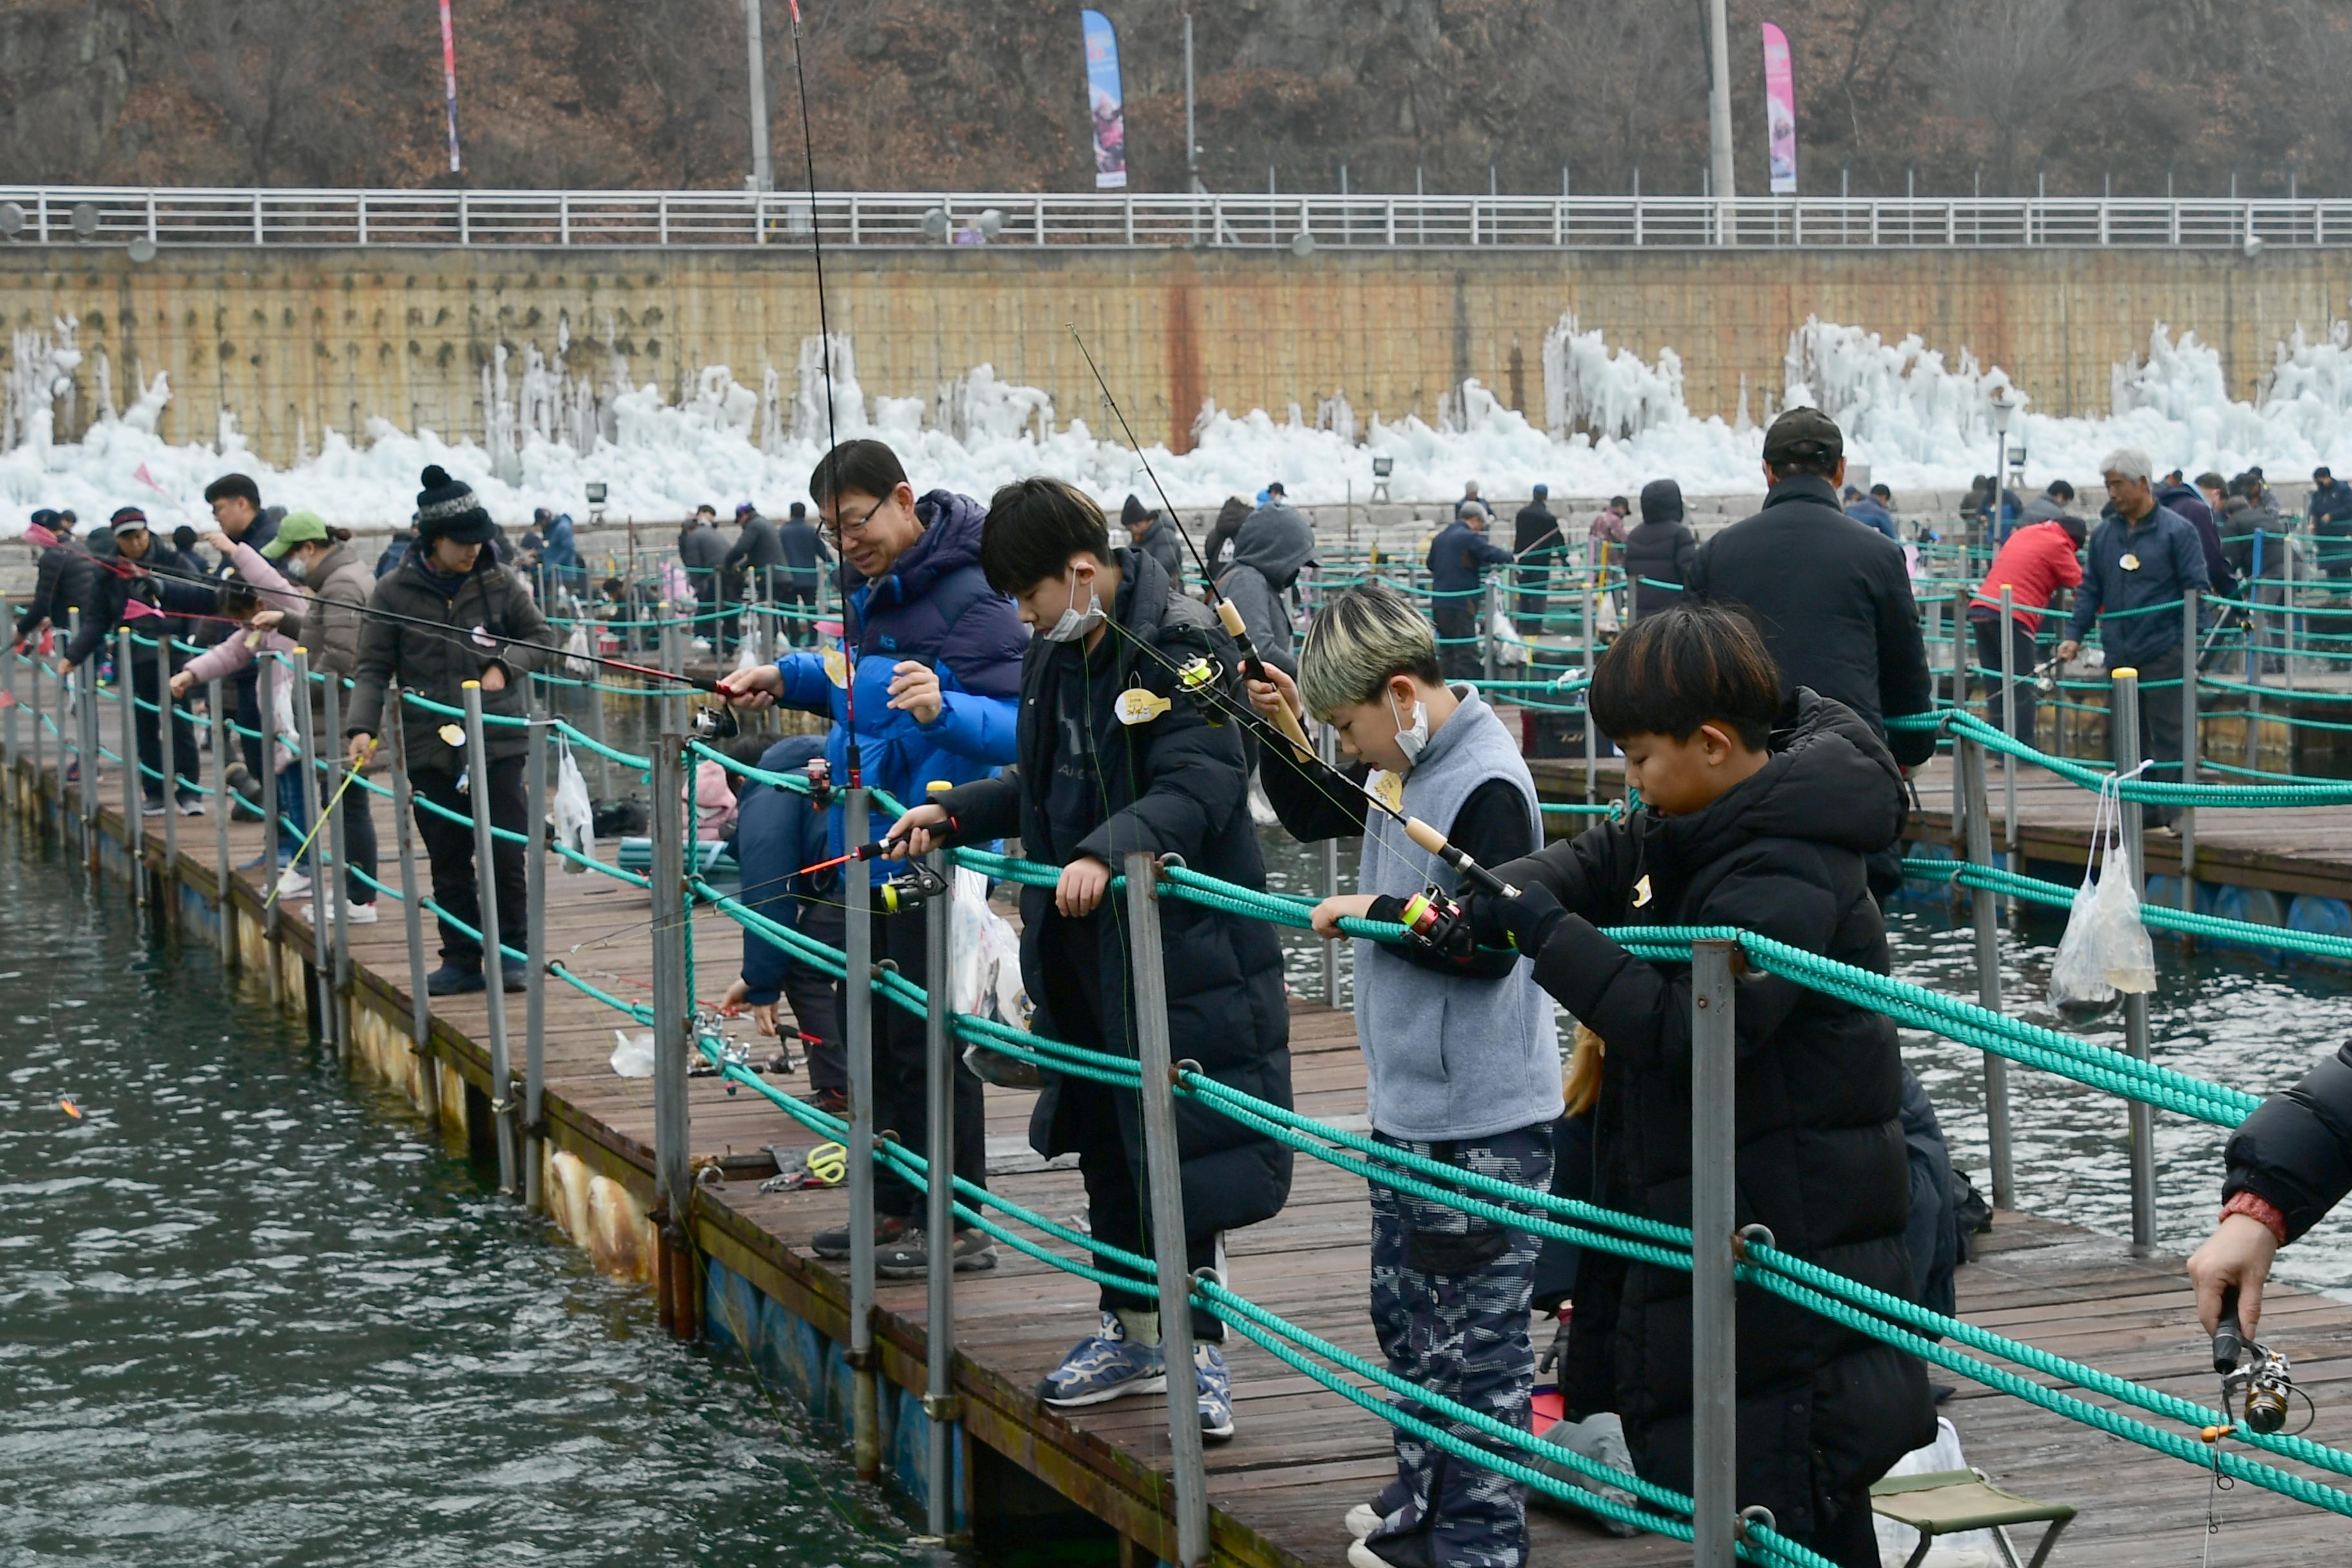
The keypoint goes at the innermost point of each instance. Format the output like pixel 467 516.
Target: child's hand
pixel 763 1014
pixel 753 688
pixel 1083 883
pixel 182 683
pixel 915 689
pixel 1524 920
pixel 1347 906
pixel 1275 693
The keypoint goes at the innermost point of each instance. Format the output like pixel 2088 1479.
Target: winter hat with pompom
pixel 446 509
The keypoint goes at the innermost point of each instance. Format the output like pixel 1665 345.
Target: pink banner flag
pixel 1780 110
pixel 449 80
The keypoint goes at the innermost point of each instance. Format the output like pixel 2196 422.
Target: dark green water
pixel 250 1313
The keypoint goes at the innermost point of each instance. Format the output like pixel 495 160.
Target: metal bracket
pixel 946 1407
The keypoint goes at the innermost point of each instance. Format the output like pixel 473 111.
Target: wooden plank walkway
pixel 1303 1455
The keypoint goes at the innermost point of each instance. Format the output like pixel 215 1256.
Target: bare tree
pixel 2021 71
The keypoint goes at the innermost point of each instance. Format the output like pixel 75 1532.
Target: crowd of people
pixel 996 648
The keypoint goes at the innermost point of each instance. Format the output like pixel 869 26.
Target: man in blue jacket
pixel 2142 555
pixel 936 676
pixel 778 831
pixel 2331 521
pixel 1458 559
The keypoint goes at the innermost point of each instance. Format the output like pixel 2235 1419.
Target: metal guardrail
pixel 190 217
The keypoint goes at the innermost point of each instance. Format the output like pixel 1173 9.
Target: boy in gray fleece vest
pixel 1461 1052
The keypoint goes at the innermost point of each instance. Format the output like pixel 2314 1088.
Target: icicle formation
pixel 41 368
pixel 1607 393
pixel 1898 400
pixel 1336 414
pixel 809 423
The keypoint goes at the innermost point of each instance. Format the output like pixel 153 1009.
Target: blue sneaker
pixel 1216 1386
pixel 1106 1365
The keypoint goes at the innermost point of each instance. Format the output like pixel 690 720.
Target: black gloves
pixel 1524 920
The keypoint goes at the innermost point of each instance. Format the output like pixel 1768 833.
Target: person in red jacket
pixel 2040 559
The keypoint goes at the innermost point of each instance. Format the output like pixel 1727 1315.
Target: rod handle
pixel 2230 1336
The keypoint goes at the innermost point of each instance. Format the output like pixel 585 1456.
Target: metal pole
pixel 857 1044
pixel 266 678
pixel 321 963
pixel 134 831
pixel 349 798
pixel 1591 654
pixel 1163 1172
pixel 939 1210
pixel 1715 1443
pixel 1191 134
pixel 1957 618
pixel 494 957
pixel 8 685
pixel 1969 759
pixel 597 729
pixel 166 717
pixel 1719 118
pixel 534 1035
pixel 219 718
pixel 2190 747
pixel 2008 725
pixel 1492 605
pixel 673 1010
pixel 2124 710
pixel 40 712
pixel 1326 742
pixel 763 176
pixel 412 915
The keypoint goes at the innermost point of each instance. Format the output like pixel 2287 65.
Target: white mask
pixel 1411 739
pixel 294 569
pixel 1074 623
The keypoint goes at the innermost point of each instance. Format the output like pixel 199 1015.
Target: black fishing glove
pixel 1524 920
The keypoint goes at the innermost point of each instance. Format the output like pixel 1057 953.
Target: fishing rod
pixel 1254 667
pixel 326 815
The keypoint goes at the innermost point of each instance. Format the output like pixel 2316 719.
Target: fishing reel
pixel 1434 921
pixel 2255 1378
pixel 820 779
pixel 716 721
pixel 911 889
pixel 1199 678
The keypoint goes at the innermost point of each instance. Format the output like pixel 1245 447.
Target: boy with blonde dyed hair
pixel 1461 1052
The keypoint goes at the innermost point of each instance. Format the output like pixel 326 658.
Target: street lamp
pixel 2001 406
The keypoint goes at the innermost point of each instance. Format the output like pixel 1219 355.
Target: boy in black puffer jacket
pixel 1759 817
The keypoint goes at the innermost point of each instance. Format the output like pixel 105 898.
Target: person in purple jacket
pixel 937 663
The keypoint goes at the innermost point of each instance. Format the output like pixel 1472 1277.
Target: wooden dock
pixel 1094 1483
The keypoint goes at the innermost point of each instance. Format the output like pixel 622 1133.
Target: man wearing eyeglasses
pixel 936 667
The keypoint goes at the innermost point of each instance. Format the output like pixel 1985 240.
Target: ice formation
pixel 1610 421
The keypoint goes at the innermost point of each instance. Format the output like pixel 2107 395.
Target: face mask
pixel 1411 739
pixel 1074 623
pixel 294 569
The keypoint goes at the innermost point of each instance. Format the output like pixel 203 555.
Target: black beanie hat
pixel 446 509
pixel 1133 513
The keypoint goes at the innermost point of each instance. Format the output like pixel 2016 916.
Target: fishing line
pixel 326 815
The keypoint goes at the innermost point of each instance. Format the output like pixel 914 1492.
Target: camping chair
pixel 1949 1502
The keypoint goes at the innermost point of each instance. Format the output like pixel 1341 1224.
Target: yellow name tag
pixel 1641 892
pixel 836 668
pixel 1388 789
pixel 1137 706
pixel 2129 563
pixel 453 735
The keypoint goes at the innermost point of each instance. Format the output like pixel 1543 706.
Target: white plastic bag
pixel 575 814
pixel 2105 949
pixel 577 655
pixel 290 734
pixel 1510 647
pixel 753 653
pixel 986 979
pixel 634 1056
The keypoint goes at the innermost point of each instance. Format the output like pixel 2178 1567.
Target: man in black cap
pixel 1535 539
pixel 1831 596
pixel 448 580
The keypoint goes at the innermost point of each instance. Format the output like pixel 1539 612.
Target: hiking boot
pixel 517 975
pixel 450 980
pixel 835 1244
pixel 911 1256
pixel 1216 1387
pixel 1104 1366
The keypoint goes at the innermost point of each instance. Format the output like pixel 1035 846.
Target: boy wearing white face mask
pixel 1112 759
pixel 1460 1047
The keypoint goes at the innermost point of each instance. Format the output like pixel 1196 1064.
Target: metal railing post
pixel 1592 634
pixel 938 1208
pixel 1490 605
pixel 1163 1173
pixel 1969 760
pixel 167 717
pixel 217 718
pixel 1715 1442
pixel 134 832
pixel 1957 616
pixel 1327 744
pixel 266 677
pixel 857 1043
pixel 322 978
pixel 9 686
pixel 2191 747
pixel 534 1028
pixel 349 798
pixel 40 714
pixel 494 957
pixel 2016 857
pixel 412 912
pixel 2124 719
pixel 673 1027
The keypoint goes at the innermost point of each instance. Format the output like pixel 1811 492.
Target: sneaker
pixel 359 914
pixel 291 885
pixel 1216 1386
pixel 1362 1519
pixel 517 975
pixel 152 809
pixel 255 864
pixel 191 806
pixel 449 980
pixel 1103 1366
pixel 831 1101
pixel 909 1258
pixel 835 1244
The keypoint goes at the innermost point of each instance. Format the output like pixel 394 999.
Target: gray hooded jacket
pixel 1274 543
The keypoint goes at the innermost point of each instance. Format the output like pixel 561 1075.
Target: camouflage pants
pixel 1450 1305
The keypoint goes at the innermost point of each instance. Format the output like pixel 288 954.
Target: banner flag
pixel 449 78
pixel 1780 110
pixel 1105 102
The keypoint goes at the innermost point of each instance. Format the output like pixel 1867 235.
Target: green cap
pixel 296 528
